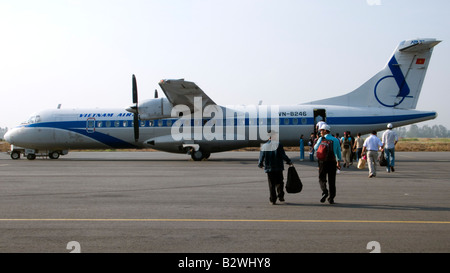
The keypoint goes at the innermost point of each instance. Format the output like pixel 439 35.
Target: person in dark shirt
pixel 271 159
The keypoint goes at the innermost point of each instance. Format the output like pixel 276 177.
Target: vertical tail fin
pixel 398 84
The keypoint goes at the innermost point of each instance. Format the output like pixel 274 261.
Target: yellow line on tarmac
pixel 224 220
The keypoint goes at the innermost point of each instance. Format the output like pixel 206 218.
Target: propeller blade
pixel 135 95
pixel 136 114
pixel 156 94
pixel 136 127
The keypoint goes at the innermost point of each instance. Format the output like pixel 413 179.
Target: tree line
pixel 435 131
pixel 3 132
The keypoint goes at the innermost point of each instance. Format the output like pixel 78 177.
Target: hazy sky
pixel 82 53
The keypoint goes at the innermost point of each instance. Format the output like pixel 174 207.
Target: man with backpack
pixel 346 148
pixel 328 152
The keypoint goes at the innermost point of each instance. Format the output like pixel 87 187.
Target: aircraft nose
pixel 9 136
pixel 12 135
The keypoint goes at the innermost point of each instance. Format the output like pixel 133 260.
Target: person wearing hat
pixel 328 167
pixel 389 139
pixel 271 159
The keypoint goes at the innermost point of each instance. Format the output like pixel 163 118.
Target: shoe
pixel 388 170
pixel 272 203
pixel 331 201
pixel 392 169
pixel 324 197
pixel 371 175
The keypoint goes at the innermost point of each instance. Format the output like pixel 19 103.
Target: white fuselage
pixel 62 129
pixel 188 120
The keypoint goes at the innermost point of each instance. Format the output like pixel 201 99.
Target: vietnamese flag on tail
pixel 420 61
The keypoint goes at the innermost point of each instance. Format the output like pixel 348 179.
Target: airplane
pixel 188 121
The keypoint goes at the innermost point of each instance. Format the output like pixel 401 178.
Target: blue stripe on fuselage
pixel 80 126
pixel 376 119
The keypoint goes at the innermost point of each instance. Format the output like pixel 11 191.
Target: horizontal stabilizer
pixel 418 45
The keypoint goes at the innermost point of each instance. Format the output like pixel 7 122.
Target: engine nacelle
pixel 155 109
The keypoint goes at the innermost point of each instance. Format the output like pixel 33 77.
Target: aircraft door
pixel 319 115
pixel 90 125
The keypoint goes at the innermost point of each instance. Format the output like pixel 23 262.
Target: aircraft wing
pixel 181 92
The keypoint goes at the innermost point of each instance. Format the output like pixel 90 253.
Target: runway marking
pixel 228 220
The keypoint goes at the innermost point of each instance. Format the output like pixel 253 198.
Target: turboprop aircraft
pixel 189 121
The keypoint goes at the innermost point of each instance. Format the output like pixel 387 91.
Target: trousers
pixel 372 157
pixel 328 169
pixel 276 185
pixel 390 157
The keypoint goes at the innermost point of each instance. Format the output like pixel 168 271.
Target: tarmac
pixel 155 202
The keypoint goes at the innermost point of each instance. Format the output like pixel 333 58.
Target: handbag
pixel 382 159
pixel 293 183
pixel 361 163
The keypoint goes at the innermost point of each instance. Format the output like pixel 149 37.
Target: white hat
pixel 324 126
pixel 389 125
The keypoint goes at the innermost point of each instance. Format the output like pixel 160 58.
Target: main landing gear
pixel 196 153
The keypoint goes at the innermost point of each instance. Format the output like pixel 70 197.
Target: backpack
pixel 325 151
pixel 346 143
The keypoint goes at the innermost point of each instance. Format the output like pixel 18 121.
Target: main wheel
pixel 197 155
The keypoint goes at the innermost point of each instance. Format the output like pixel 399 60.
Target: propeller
pixel 136 110
pixel 156 94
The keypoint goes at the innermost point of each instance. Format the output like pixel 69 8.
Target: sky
pixel 82 53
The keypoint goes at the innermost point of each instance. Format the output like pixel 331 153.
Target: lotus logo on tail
pixel 387 83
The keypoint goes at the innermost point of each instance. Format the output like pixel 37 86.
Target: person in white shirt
pixel 389 140
pixel 370 147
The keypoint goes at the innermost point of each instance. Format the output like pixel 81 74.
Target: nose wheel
pixel 53 155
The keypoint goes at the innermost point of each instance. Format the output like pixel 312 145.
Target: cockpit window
pixel 33 119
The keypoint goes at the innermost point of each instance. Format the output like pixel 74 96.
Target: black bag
pixel 382 159
pixel 293 183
